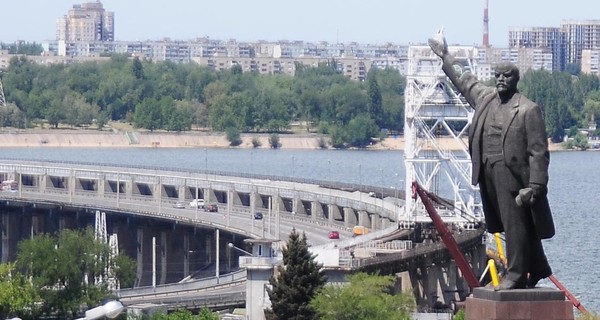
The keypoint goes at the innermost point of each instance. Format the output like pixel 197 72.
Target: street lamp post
pixel 110 310
pixel 330 180
pixel 360 184
pixel 293 158
pixel 232 246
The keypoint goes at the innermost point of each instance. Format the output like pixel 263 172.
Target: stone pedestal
pixel 518 304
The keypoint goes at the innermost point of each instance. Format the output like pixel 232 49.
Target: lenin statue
pixel 509 153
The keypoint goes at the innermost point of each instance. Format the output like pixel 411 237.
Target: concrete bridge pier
pixel 364 219
pixel 5 237
pixel 436 284
pixel 164 249
pixel 317 210
pixel 128 187
pixel 349 217
pixel 234 199
pixel 186 254
pixel 157 190
pixel 208 195
pixel 101 186
pixel 278 203
pixel 256 201
pixel 43 182
pixel 383 222
pixel 181 191
pixel 334 211
pixel 140 256
pixel 298 207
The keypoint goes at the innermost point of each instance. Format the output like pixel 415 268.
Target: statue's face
pixel 506 80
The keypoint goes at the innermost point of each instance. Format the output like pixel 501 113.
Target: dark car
pixel 212 208
pixel 258 216
pixel 334 235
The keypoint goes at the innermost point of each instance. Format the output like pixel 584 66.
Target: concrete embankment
pixel 91 138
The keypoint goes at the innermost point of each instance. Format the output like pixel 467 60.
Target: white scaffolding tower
pixel 2 97
pixel 436 125
pixel 113 243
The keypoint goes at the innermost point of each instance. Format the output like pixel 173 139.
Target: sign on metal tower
pixel 436 124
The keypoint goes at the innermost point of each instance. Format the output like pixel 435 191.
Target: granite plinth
pixel 518 304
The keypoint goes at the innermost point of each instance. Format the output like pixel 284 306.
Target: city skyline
pixel 343 21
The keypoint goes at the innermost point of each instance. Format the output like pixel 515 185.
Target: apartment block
pixel 550 40
pixel 86 22
pixel 590 62
pixel 580 35
pixel 353 68
pixel 524 58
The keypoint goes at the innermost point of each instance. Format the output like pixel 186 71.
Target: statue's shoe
pixel 507 284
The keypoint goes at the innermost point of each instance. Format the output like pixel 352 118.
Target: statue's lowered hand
pixel 438 43
pixel 525 197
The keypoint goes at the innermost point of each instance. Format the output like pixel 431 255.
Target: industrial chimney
pixel 486 30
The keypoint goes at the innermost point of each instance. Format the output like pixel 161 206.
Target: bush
pixel 274 141
pixel 323 143
pixel 256 142
pixel 323 127
pixel 339 137
pixel 579 142
pixel 233 136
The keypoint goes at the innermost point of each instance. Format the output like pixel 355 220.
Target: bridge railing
pixel 205 283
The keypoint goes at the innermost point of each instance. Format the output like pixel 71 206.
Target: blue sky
pixel 364 21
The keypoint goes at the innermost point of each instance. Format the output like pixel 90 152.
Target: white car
pixel 197 203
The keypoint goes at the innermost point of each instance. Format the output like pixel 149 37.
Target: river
pixel 573 189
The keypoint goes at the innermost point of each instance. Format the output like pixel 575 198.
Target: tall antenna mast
pixel 486 30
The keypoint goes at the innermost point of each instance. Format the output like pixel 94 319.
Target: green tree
pixel 204 314
pixel 339 136
pixel 148 114
pixel 64 270
pixel 361 130
pixel 297 281
pixel 138 69
pixel 17 294
pixel 364 297
pixel 392 86
pixel 375 102
pixel 11 116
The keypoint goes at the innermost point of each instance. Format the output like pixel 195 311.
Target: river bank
pixel 137 139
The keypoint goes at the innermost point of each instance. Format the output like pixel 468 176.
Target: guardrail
pixel 211 282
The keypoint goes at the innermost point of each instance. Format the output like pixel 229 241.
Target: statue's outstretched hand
pixel 438 43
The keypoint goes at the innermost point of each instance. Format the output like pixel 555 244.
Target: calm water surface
pixel 573 189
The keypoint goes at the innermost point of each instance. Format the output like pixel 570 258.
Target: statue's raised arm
pixel 463 80
pixel 438 44
pixel 440 47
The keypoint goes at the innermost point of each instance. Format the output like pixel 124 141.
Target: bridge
pixel 49 196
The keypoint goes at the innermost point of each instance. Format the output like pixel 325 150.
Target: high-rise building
pixel 548 39
pixel 86 22
pixel 580 35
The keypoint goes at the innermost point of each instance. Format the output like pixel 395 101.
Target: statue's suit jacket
pixel 524 148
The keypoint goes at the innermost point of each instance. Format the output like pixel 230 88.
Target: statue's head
pixel 507 77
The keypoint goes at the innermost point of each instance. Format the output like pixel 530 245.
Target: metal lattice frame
pixel 113 243
pixel 436 123
pixel 2 98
